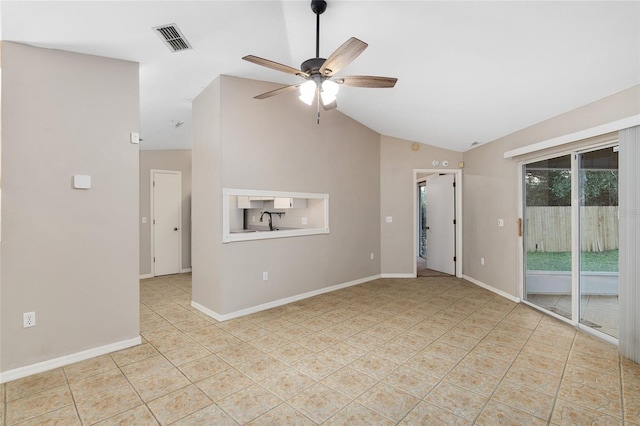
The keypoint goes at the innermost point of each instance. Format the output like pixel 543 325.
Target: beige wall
pixel 176 160
pixel 206 199
pixel 397 163
pixel 490 188
pixel 276 144
pixel 69 255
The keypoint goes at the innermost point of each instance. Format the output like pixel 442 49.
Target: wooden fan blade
pixel 343 56
pixel 284 89
pixel 367 81
pixel 330 106
pixel 274 65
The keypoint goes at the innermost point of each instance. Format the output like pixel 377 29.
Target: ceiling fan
pixel 320 73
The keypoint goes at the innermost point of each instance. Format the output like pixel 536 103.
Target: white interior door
pixel 167 220
pixel 441 223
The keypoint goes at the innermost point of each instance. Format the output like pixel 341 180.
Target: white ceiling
pixel 467 71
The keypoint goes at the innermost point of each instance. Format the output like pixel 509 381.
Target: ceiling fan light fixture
pixel 329 92
pixel 308 91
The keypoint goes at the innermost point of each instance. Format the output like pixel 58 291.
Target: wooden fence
pixel 549 228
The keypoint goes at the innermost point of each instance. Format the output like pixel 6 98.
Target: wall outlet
pixel 482 261
pixel 303 220
pixel 144 220
pixel 389 219
pixel 253 218
pixel 265 276
pixel 28 319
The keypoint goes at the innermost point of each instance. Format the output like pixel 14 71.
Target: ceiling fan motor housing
pixel 312 65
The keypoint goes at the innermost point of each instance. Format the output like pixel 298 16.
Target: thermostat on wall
pixel 81 181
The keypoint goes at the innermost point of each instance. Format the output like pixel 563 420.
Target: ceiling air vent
pixel 172 37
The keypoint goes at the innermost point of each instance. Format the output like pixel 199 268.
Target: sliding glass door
pixel 547 235
pixel 570 212
pixel 599 236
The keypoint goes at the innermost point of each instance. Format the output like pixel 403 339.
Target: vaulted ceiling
pixel 467 71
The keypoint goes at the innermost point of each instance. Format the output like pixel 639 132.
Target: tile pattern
pixel 434 350
pixel 599 312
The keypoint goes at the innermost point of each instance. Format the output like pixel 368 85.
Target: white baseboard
pixel 185 270
pixel 18 373
pixel 279 302
pixel 491 289
pixel 213 314
pixel 397 275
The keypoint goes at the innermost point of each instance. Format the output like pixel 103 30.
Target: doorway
pixel 570 244
pixel 437 245
pixel 166 221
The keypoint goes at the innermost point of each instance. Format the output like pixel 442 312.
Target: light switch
pixel 81 181
pixel 501 223
pixel 389 219
pixel 144 220
pixel 134 137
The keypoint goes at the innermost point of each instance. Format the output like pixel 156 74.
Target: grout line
pixel 620 378
pixel 564 369
pixel 507 371
pixel 4 404
pixel 73 398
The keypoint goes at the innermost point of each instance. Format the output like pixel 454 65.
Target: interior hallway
pixel 393 351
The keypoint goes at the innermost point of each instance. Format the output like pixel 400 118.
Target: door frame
pixel 419 182
pixel 152 218
pixel 458 208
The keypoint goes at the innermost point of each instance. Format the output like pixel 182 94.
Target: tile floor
pixel 602 313
pixel 433 351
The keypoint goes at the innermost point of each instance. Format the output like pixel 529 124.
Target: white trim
pixel 491 289
pixel 598 334
pixel 152 216
pixel 18 373
pixel 279 302
pixel 579 325
pixel 550 313
pixel 521 253
pixel 398 275
pixel 228 236
pixel 267 235
pixel 216 316
pixel 576 136
pixel 414 184
pixel 185 270
pixel 274 194
pixel 576 223
pixel 145 276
